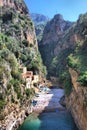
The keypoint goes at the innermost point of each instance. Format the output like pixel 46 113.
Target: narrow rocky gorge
pixel 63 48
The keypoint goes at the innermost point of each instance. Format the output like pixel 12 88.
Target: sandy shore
pixel 45 102
pixel 48 102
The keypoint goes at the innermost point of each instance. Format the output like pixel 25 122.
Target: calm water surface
pixel 60 120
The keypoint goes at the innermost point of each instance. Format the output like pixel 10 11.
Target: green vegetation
pixel 67 84
pixel 29 92
pixel 47 53
pixel 15 50
pixel 59 63
pixel 78 62
pixel 82 19
pixel 72 61
pixel 39 28
pixel 25 43
pixel 83 79
pixel 12 99
pixel 53 66
pixel 16 84
pixel 2 104
pixel 65 79
pixel 72 52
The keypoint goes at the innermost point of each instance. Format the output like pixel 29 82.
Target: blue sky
pixel 70 9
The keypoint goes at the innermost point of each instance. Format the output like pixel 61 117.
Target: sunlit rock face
pixel 10 10
pixel 16 4
pixel 77 100
pixel 54 29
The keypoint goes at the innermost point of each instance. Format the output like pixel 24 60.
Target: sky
pixel 70 9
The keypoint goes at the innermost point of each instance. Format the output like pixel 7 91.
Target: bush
pixel 83 79
pixel 18 91
pixel 8 86
pixel 16 75
pixel 2 104
pixel 62 77
pixel 4 53
pixel 53 66
pixel 16 26
pixel 21 17
pixel 44 71
pixel 72 61
pixel 3 71
pixel 67 83
pixel 23 57
pixel 34 65
pixel 31 24
pixel 29 92
pixel 13 61
pixel 14 82
pixel 16 85
pixel 2 116
pixel 12 99
pixel 25 43
pixel 68 87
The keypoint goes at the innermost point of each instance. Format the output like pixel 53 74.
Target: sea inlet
pixel 48 114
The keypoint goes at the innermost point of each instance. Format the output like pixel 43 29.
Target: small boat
pixel 34 102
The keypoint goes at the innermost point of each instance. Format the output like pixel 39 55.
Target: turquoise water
pixel 60 120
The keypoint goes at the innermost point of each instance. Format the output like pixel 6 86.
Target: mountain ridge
pixel 39 18
pixel 52 42
pixel 40 22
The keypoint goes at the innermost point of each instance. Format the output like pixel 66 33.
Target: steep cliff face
pixel 16 4
pixel 55 40
pixel 16 21
pixel 70 47
pixel 77 101
pixel 60 38
pixel 18 48
pixel 54 29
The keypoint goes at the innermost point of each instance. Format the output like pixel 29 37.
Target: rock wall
pixel 76 102
pixel 55 29
pixel 15 116
pixel 19 5
pixel 15 12
pixel 18 47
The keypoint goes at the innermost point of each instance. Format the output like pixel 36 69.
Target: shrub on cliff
pixel 66 80
pixel 16 84
pixel 68 86
pixel 72 61
pixel 83 79
pixel 29 92
pixel 2 104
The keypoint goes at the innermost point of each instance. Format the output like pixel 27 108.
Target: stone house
pixel 35 79
pixel 29 77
